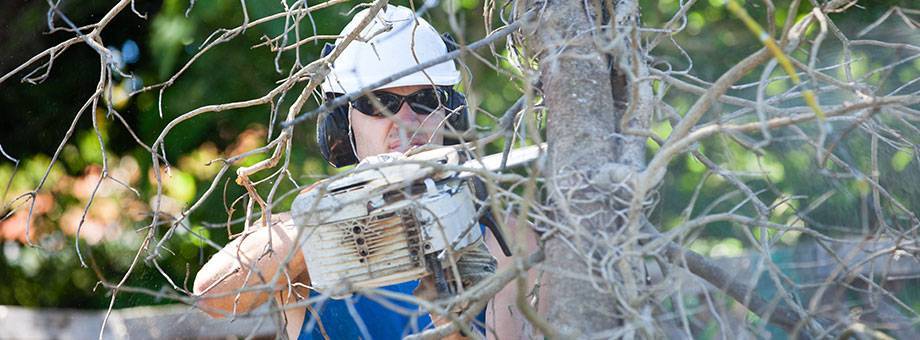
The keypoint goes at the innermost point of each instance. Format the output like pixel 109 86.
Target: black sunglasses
pixel 423 102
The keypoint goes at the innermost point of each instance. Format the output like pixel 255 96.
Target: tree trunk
pixel 589 286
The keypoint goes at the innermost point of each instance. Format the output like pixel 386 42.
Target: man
pixel 407 112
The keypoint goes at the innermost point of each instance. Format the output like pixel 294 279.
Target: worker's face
pixel 397 133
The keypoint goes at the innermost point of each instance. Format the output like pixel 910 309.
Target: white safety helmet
pixel 396 39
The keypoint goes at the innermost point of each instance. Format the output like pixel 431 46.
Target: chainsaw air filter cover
pixel 374 227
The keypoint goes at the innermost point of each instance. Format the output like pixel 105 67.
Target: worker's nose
pixel 407 116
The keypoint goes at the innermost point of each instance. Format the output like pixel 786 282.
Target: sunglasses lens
pixel 427 101
pixel 422 102
pixel 369 107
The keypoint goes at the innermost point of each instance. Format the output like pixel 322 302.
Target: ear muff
pixel 333 132
pixel 458 119
pixel 333 135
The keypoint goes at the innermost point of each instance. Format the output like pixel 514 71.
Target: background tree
pixel 682 135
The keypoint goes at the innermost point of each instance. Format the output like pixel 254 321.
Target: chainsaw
pixel 395 217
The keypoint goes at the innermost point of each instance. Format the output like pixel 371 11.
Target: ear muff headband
pixel 333 132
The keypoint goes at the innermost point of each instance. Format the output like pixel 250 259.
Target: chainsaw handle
pixel 487 218
pixel 489 221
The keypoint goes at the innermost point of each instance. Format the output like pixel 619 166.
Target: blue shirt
pixel 374 320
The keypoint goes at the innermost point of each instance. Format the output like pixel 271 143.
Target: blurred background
pixel 36 117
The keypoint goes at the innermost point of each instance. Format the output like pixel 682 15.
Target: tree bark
pixel 585 93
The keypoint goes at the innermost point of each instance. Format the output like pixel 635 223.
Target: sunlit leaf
pixel 901 159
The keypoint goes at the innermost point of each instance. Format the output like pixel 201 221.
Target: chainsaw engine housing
pixel 373 228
